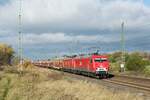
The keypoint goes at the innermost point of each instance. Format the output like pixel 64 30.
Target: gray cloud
pixel 63 21
pixel 51 38
pixel 74 15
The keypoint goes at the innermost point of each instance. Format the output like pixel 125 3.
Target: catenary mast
pixel 122 65
pixel 20 50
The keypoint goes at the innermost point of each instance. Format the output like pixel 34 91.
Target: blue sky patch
pixel 147 2
pixel 2 2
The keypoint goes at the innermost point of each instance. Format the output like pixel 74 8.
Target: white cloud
pixel 74 14
pixel 62 38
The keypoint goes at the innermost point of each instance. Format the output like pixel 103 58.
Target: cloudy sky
pixel 57 27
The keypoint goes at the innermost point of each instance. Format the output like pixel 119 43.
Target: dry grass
pixel 50 85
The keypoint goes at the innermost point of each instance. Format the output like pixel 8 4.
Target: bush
pixel 15 60
pixel 27 64
pixel 147 70
pixel 11 69
pixel 116 57
pixel 6 54
pixel 145 62
pixel 114 67
pixel 136 63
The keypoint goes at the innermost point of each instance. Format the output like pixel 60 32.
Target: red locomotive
pixel 91 65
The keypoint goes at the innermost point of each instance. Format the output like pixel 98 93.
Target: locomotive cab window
pixel 100 59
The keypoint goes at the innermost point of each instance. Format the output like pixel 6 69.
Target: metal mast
pixel 122 48
pixel 20 34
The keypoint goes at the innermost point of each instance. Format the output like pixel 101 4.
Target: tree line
pixel 134 61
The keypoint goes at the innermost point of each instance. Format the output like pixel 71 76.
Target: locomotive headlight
pixel 101 69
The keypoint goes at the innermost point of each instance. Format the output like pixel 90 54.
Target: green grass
pixel 6 89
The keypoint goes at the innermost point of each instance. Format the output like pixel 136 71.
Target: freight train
pixel 94 64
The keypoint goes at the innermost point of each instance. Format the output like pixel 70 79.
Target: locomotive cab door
pixel 91 65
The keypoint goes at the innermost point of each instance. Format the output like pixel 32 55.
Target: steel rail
pixel 134 82
pixel 129 84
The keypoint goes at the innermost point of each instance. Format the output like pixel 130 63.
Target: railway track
pixel 135 82
pixel 139 86
pixel 131 82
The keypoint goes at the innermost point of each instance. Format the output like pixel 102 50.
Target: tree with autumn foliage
pixel 6 54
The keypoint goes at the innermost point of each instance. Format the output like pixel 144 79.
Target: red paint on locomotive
pixel 93 63
pixel 97 64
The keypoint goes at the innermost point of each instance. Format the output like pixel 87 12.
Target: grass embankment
pixel 41 84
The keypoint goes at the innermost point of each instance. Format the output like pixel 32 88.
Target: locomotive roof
pixel 81 56
pixel 87 56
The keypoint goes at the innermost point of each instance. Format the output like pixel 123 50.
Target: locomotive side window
pixel 100 59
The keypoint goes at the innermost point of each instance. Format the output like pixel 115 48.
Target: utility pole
pixel 20 36
pixel 122 65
